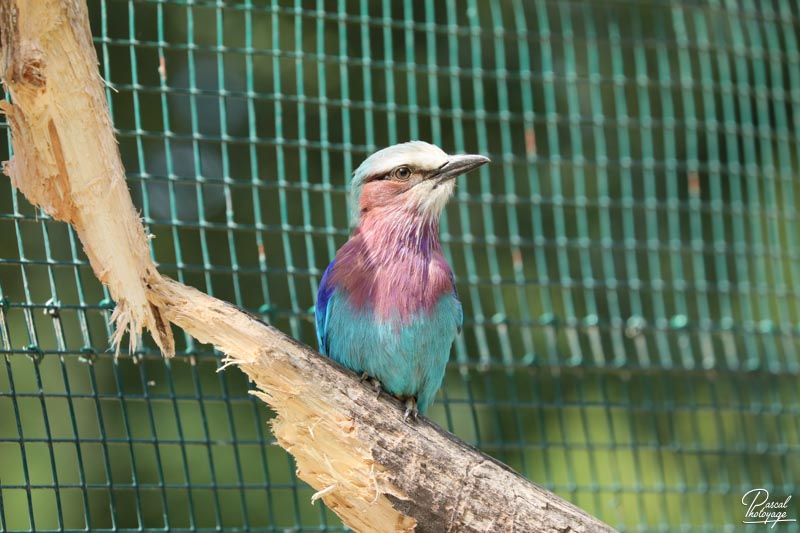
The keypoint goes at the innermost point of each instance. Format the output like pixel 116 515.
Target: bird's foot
pixel 376 385
pixel 378 388
pixel 411 409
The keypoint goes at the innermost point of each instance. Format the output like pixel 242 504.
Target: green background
pixel 628 263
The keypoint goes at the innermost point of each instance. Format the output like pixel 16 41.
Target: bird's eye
pixel 402 173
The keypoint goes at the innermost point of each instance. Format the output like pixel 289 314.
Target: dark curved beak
pixel 457 165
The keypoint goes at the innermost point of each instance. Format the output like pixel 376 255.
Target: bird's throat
pixel 394 265
pixel 392 234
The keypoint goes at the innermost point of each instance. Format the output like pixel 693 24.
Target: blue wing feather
pixel 460 318
pixel 322 309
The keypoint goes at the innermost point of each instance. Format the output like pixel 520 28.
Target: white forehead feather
pixel 417 154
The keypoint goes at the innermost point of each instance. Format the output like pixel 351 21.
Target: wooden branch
pixel 375 471
pixel 66 158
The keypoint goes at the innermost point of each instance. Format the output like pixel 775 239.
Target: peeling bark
pixel 66 158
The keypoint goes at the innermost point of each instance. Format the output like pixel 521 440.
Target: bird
pixel 387 306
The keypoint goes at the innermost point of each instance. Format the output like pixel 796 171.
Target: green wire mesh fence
pixel 628 264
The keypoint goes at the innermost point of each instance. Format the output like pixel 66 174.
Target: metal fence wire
pixel 629 263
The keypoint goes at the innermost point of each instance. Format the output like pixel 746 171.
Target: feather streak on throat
pixel 393 265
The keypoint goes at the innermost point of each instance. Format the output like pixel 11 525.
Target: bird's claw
pixel 411 409
pixel 374 382
pixel 410 402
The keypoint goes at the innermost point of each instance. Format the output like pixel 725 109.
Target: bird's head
pixel 414 175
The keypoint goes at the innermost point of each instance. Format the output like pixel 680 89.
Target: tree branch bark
pixel 66 158
pixel 375 471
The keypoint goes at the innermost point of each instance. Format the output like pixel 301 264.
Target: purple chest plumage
pixel 393 266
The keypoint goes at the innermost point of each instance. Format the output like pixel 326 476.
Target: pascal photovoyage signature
pixel 762 510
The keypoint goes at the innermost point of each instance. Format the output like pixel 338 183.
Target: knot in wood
pixel 32 71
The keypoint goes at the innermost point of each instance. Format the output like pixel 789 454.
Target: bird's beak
pixel 457 165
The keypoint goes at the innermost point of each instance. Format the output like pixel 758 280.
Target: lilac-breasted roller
pixel 387 305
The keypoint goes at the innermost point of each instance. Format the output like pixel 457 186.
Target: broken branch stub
pixel 66 159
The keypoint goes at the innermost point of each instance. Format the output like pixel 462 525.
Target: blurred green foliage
pixel 628 264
